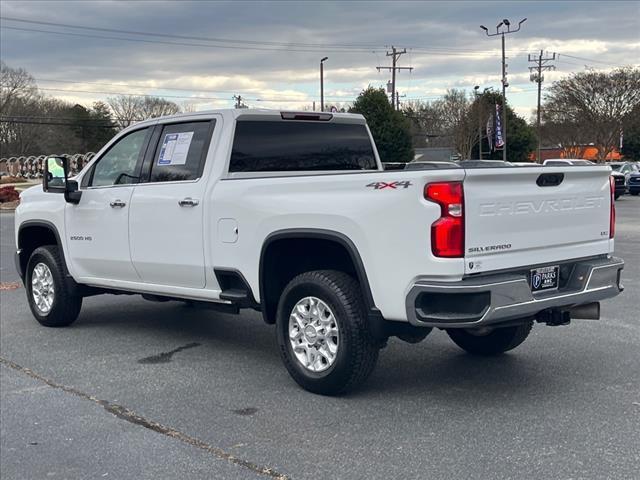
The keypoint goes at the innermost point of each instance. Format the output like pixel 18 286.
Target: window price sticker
pixel 175 148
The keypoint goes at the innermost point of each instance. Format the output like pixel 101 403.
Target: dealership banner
pixel 499 140
pixel 490 132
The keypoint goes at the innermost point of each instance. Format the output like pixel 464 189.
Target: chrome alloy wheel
pixel 42 289
pixel 313 333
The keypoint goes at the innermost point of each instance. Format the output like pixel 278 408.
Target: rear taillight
pixel 612 212
pixel 447 233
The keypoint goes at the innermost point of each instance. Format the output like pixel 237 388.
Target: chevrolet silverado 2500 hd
pixel 292 214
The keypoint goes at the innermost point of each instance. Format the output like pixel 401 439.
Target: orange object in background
pixel 587 152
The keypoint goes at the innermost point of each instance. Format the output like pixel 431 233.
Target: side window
pixel 181 151
pixel 121 164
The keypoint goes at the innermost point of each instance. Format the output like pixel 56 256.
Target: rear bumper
pixel 492 299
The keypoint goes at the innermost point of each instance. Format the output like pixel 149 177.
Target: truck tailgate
pixel 527 216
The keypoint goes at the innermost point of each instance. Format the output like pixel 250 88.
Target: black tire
pixel 496 342
pixel 66 306
pixel 357 350
pixel 634 193
pixel 616 196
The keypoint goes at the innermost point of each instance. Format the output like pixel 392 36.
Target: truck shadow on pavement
pixel 434 369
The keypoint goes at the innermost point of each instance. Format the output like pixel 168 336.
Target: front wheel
pixel 492 342
pixel 634 193
pixel 49 298
pixel 323 334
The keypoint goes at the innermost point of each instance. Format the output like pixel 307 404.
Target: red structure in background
pixel 589 152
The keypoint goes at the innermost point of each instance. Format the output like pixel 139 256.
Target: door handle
pixel 117 204
pixel 188 202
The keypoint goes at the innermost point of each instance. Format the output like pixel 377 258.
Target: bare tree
pixel 19 100
pixel 427 124
pixel 188 107
pixel 597 103
pixel 15 83
pixel 571 135
pixel 459 119
pixel 128 109
pixel 152 107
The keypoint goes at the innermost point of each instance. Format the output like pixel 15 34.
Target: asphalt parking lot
pixel 137 390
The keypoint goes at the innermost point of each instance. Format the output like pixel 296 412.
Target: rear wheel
pixel 634 193
pixel 323 334
pixel 490 342
pixel 49 298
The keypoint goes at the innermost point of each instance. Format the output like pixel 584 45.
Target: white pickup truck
pixel 292 214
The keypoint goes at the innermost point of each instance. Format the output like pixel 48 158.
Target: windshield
pixel 616 168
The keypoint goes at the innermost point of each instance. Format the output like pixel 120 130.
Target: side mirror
pixel 56 179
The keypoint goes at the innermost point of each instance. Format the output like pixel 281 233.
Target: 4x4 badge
pixel 392 185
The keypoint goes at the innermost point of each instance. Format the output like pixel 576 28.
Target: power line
pixel 292 46
pixel 301 100
pixel 160 87
pixel 587 59
pixel 258 45
pixel 183 44
pixel 329 49
pixel 188 37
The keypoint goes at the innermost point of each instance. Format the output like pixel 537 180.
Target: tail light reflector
pixel 447 233
pixel 612 212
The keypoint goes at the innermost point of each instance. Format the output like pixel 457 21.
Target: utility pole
pixel 322 60
pixel 479 110
pixel 502 32
pixel 541 65
pixel 239 103
pixel 395 55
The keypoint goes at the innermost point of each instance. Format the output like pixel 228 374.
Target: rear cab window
pixel 300 146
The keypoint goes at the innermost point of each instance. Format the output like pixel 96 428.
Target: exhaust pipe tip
pixel 588 311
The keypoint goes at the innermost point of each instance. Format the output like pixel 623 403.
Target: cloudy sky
pixel 202 53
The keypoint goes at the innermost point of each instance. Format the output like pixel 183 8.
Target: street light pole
pixel 479 110
pixel 502 32
pixel 504 103
pixel 322 60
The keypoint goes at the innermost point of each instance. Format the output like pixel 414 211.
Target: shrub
pixel 8 194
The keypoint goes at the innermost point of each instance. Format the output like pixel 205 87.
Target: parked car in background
pixel 429 165
pixel 625 168
pixel 620 183
pixel 560 162
pixel 620 180
pixel 483 163
pixel 633 184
